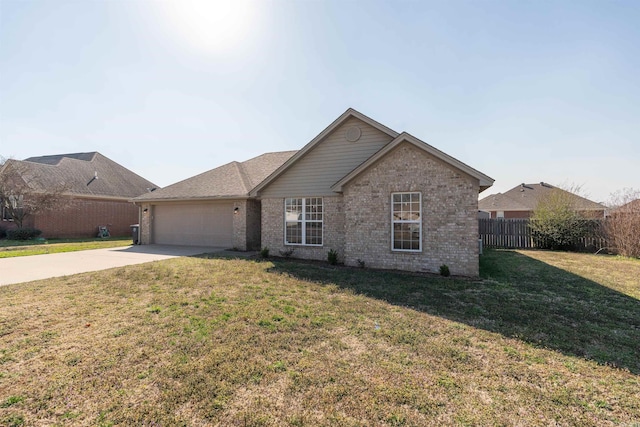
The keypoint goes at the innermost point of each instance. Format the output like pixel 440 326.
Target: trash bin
pixel 135 233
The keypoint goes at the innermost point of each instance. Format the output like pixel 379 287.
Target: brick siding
pixel 449 214
pixel 357 224
pixel 246 225
pixel 82 217
pixel 333 229
pixel 145 223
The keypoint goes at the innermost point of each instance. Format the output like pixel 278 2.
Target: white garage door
pixel 206 224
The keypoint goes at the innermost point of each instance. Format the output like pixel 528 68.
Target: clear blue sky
pixel 524 91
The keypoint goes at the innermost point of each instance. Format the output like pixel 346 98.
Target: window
pixel 303 221
pixel 406 222
pixel 4 212
pixel 9 205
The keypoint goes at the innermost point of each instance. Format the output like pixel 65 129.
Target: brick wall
pixel 145 223
pixel 449 214
pixel 358 223
pixel 82 217
pixel 512 214
pixel 333 229
pixel 246 225
pixel 253 225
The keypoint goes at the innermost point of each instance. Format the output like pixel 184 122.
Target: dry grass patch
pixel 199 342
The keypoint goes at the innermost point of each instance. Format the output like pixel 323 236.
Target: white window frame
pixel 14 201
pixel 306 202
pixel 405 221
pixel 4 214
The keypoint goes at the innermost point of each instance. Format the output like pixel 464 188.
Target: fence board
pixel 516 234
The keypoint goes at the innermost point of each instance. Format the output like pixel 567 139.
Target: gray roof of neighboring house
pixel 76 173
pixel 525 197
pixel 233 180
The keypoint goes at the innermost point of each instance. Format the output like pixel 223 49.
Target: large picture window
pixel 406 222
pixel 303 221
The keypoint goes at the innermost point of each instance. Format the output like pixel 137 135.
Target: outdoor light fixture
pixel 236 210
pixel 145 210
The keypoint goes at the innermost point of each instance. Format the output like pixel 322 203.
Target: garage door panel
pixel 194 225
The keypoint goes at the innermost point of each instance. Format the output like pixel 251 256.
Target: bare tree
pixel 623 222
pixel 22 194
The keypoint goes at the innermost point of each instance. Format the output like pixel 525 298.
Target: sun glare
pixel 216 26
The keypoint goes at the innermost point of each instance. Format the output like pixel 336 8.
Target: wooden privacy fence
pixel 516 234
pixel 505 233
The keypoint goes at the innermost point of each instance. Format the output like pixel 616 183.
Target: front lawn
pixel 544 338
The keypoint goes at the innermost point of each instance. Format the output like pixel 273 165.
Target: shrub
pixel 444 270
pixel 3 232
pixel 556 223
pixel 361 263
pixel 264 252
pixel 23 233
pixel 332 257
pixel 287 253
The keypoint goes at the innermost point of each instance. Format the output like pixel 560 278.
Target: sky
pixel 523 91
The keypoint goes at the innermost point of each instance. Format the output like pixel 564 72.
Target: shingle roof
pixel 497 202
pixel 76 172
pixel 525 197
pixel 235 179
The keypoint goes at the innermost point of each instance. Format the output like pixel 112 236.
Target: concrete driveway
pixel 37 267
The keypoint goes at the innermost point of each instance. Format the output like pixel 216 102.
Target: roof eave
pixel 189 199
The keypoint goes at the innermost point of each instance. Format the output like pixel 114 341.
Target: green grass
pixel 15 248
pixel 543 338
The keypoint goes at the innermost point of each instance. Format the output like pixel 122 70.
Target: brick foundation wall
pixel 449 214
pixel 82 217
pixel 333 229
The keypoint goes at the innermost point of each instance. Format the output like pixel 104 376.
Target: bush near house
pixel 23 233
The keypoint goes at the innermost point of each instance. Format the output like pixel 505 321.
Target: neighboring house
pixel 377 197
pixel 630 208
pixel 94 191
pixel 521 201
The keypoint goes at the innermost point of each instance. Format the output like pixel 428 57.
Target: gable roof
pixel 230 181
pixel 80 174
pixel 525 197
pixel 349 113
pixel 485 181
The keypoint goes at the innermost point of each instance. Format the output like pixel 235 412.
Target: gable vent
pixel 353 134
